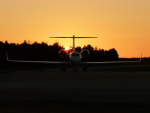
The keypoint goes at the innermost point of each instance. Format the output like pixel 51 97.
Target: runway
pixel 48 90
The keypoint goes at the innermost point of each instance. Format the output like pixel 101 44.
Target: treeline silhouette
pixel 44 52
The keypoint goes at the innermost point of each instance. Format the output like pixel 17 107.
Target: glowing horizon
pixel 123 25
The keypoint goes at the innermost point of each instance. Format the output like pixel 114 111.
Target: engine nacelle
pixel 63 53
pixel 85 53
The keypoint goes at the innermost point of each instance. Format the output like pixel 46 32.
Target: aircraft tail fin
pixel 73 39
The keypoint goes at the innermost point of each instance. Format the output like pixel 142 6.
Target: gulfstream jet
pixel 74 56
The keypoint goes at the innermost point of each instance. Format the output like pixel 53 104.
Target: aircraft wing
pixel 42 62
pixel 46 62
pixel 113 62
pixel 63 62
pixel 110 62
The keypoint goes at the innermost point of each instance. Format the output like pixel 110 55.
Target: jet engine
pixel 85 53
pixel 63 53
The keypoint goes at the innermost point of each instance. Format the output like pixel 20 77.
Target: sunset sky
pixel 120 24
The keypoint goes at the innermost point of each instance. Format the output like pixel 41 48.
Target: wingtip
pixel 7 57
pixel 141 57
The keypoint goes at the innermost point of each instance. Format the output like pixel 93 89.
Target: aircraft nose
pixel 75 56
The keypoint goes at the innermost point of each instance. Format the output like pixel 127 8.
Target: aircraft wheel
pixel 85 69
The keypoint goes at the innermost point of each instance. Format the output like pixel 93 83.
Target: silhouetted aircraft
pixel 74 57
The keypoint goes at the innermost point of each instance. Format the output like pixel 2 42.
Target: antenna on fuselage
pixel 73 39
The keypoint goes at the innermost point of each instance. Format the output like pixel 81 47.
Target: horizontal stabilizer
pixel 73 37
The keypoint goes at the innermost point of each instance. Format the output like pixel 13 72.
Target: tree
pixel 111 55
pixel 43 51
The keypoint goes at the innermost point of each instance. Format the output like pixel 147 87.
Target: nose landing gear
pixel 63 69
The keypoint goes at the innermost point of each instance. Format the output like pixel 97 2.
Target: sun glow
pixel 67 48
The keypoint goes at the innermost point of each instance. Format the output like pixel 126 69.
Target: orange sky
pixel 120 24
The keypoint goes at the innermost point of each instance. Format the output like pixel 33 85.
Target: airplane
pixel 74 57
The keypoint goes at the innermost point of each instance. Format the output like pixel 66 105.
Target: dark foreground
pixel 51 91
